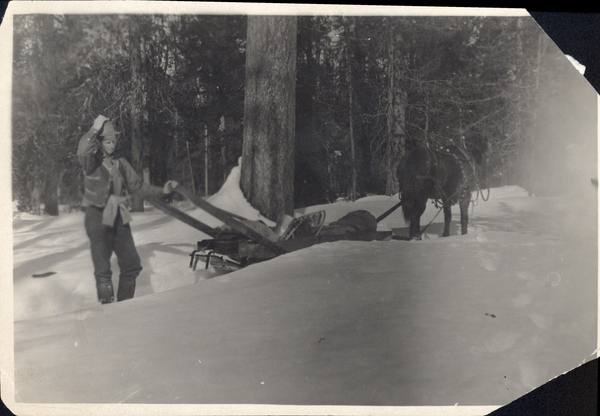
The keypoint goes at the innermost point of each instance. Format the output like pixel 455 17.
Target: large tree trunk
pixel 137 141
pixel 396 117
pixel 351 138
pixel 269 115
pixel 49 194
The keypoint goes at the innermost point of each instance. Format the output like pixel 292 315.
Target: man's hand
pixel 122 199
pixel 169 186
pixel 99 122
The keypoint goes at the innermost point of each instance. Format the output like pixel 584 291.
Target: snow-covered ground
pixel 479 319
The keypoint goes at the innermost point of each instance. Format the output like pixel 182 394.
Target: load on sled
pixel 241 242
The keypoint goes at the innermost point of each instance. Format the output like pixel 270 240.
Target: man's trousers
pixel 104 241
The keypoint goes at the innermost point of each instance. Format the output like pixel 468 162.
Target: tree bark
pixel 396 118
pixel 269 115
pixel 137 141
pixel 351 138
pixel 47 184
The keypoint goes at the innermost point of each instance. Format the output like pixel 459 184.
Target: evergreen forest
pixel 368 88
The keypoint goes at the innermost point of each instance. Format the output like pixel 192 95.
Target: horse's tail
pixel 409 169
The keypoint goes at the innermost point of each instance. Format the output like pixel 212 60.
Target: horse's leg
pixel 415 228
pixel 415 222
pixel 464 213
pixel 447 219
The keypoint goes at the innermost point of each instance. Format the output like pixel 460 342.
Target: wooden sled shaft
pixel 388 212
pixel 183 217
pixel 231 220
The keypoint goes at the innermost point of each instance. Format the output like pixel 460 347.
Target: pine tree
pixel 269 115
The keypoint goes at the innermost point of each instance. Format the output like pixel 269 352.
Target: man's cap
pixel 109 130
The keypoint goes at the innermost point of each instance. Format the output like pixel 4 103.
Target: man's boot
pixel 126 289
pixel 105 292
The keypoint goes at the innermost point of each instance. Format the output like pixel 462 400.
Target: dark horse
pixel 446 175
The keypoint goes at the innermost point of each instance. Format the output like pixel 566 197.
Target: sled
pixel 231 220
pixel 209 257
pixel 245 242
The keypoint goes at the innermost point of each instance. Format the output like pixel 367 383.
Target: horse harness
pixel 463 159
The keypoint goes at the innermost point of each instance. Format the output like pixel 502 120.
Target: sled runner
pixel 242 242
pixel 206 252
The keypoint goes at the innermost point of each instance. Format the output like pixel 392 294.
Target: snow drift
pixel 479 319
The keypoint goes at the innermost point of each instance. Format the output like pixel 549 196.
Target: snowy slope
pixel 479 319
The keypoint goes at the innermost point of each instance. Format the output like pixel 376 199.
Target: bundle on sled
pixel 241 242
pixel 231 250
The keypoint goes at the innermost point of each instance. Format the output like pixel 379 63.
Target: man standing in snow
pixel 108 183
